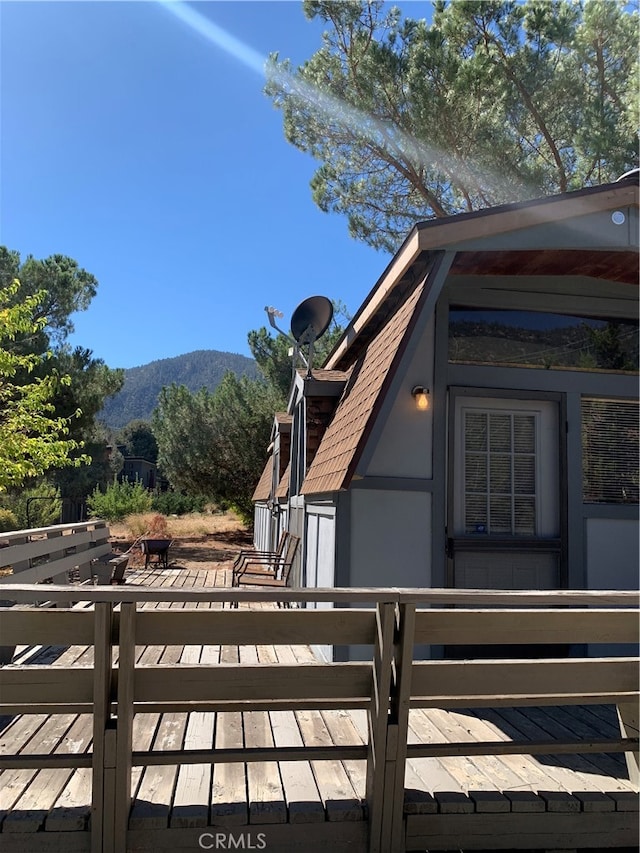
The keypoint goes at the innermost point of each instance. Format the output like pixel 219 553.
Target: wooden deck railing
pixel 388 685
pixel 34 555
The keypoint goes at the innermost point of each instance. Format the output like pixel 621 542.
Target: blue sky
pixel 151 156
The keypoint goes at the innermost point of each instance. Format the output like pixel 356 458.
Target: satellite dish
pixel 311 319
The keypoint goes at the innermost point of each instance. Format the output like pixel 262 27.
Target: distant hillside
pixel 196 370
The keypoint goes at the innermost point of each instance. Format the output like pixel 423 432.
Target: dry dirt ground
pixel 193 546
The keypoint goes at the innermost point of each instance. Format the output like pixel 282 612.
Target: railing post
pixel 102 679
pixel 398 729
pixel 628 714
pixel 377 717
pixel 124 730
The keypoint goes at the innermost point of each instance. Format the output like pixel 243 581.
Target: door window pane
pixel 500 473
pixel 475 517
pixel 525 516
pixel 476 431
pixel 500 432
pixel 476 473
pixel 524 433
pixel 524 475
pixel 501 515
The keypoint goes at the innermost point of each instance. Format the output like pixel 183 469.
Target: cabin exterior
pixel 518 468
pixel 136 469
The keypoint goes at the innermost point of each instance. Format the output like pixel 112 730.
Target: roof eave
pixel 442 234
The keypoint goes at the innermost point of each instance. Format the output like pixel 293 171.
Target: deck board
pixel 267 795
pixel 304 804
pixel 229 792
pixel 193 785
pixel 265 791
pixel 151 808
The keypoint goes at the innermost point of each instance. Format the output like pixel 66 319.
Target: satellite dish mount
pixel 309 322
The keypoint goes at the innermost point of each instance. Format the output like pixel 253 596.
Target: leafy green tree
pixel 271 353
pixel 62 285
pixel 118 500
pixel 609 349
pixel 91 382
pixel 8 521
pixel 36 505
pixel 175 503
pixel 33 438
pixel 138 440
pixel 55 288
pixel 214 444
pixel 493 101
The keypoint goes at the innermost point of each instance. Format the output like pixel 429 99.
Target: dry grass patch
pixel 191 526
pixel 194 535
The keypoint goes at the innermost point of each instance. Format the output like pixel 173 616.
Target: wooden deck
pixel 471 802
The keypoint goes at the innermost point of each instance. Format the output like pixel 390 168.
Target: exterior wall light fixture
pixel 421 395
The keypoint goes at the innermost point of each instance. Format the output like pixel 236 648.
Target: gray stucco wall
pixel 612 553
pixel 402 439
pixel 390 538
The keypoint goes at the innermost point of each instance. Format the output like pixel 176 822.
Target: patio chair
pixel 266 577
pixel 267 559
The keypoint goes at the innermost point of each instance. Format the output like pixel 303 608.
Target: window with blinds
pixel 500 487
pixel 610 457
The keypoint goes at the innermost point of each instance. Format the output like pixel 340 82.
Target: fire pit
pixel 158 548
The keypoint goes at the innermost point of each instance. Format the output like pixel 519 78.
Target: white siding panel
pixel 311 547
pixel 320 540
pixel 326 550
pixel 320 559
pixel 261 524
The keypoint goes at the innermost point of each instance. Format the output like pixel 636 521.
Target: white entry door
pixel 504 516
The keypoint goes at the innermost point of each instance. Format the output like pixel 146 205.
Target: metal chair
pixel 266 577
pixel 269 560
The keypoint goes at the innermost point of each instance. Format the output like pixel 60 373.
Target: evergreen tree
pixel 493 101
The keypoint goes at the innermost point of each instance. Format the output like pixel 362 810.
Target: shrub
pixel 174 503
pixel 137 524
pixel 119 500
pixel 8 521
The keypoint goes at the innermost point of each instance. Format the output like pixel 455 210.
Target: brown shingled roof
pixel 263 489
pixel 343 440
pixel 323 375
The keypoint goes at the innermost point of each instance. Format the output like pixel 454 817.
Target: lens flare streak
pixel 408 152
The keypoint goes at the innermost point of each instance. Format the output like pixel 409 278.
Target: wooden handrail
pixel 387 685
pixel 26 593
pixel 37 554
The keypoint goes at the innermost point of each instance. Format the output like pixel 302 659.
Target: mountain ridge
pixel 198 369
